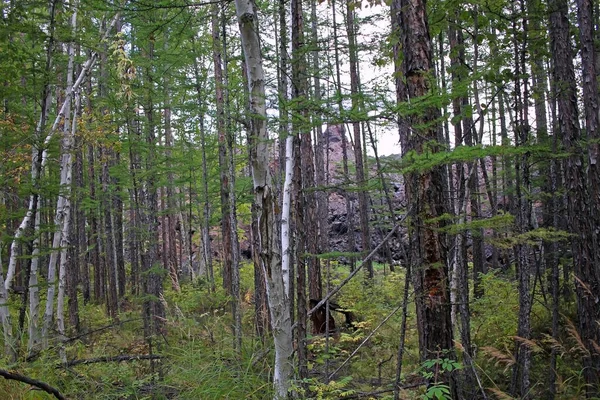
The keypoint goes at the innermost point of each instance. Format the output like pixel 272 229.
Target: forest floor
pixel 197 360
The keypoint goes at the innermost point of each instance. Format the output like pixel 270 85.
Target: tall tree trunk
pixel 226 254
pixel 282 83
pixel 236 309
pixel 117 223
pixel 171 212
pixel 300 249
pixel 80 246
pixel 425 191
pixel 135 198
pixel 230 252
pixel 347 197
pixel 305 219
pixel 588 274
pixel 110 253
pixel 474 138
pixel 320 141
pixel 151 273
pixel 361 179
pixel 206 249
pixel 95 237
pixel 521 370
pixel 62 217
pixel 65 261
pixel 270 257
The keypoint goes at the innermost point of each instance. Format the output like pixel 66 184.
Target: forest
pixel 300 199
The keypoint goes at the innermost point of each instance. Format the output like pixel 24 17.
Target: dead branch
pixel 353 273
pixel 22 378
pixel 112 359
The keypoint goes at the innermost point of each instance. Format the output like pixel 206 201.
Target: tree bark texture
pixel 361 180
pixel 425 190
pixel 266 206
pixel 581 193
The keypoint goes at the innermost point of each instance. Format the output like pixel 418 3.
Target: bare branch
pixel 22 378
pixel 113 359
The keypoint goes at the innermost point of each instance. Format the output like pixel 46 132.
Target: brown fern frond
pixel 574 334
pixel 458 346
pixel 531 344
pixel 504 358
pixel 500 395
pixel 585 286
pixel 553 343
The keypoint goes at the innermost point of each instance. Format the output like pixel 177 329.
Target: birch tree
pixel 62 217
pixel 265 201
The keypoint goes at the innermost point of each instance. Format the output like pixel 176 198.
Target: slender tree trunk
pixel 171 212
pixel 361 178
pixel 62 218
pixel 522 367
pixel 347 197
pixel 301 248
pixel 79 233
pixel 286 235
pixel 206 247
pixel 135 194
pixel 282 83
pixel 151 273
pixel 270 256
pixel 117 223
pixel 321 142
pixel 307 265
pixel 236 309
pixel 110 253
pixel 552 251
pixel 65 261
pixel 226 254
pixel 95 238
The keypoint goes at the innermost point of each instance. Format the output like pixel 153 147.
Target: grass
pixel 199 363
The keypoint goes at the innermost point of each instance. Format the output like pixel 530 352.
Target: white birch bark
pixel 285 213
pixel 65 240
pixel 269 256
pixel 62 217
pixel 34 293
pixel 9 340
pixel 37 168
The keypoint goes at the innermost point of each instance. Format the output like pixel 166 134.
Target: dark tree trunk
pixel 306 161
pixel 300 264
pixel 321 141
pixel 151 272
pixel 226 255
pixel 587 271
pixel 94 236
pixel 80 236
pixel 117 206
pixel 521 384
pixel 425 192
pixel 348 199
pixel 205 236
pixel 363 198
pixel 303 179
